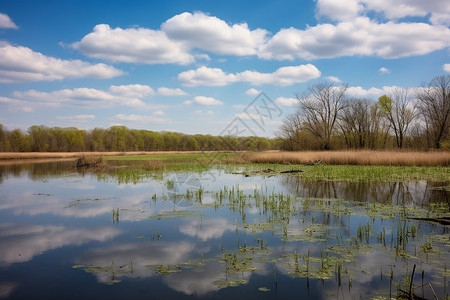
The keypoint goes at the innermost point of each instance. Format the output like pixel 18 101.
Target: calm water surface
pixel 72 235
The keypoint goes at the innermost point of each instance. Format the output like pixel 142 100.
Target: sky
pixel 208 67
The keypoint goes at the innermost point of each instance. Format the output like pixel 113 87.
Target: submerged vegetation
pixel 312 247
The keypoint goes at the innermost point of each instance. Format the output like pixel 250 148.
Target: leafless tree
pixel 319 108
pixel 434 107
pixel 400 111
pixel 289 132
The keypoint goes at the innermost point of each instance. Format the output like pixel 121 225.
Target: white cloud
pixel 122 95
pixel 77 118
pixel 133 45
pixel 159 113
pixel 338 9
pixel 286 101
pixel 446 67
pixel 19 64
pixel 202 100
pixel 384 70
pixel 284 76
pixel 334 79
pixel 239 106
pixel 173 43
pixel 373 91
pixel 140 119
pixel 213 34
pixel 360 36
pixel 5 22
pixel 252 92
pixel 132 90
pixel 206 76
pixel 182 38
pixel 439 10
pixel 250 116
pixel 163 91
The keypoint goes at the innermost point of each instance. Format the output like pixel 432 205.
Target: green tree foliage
pixel 120 138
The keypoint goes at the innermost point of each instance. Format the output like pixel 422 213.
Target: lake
pixel 216 233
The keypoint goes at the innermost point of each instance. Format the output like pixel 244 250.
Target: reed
pixel 366 157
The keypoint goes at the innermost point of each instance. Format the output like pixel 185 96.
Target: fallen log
pixel 291 171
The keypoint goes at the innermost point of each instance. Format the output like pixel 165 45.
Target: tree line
pixel 327 118
pixel 120 138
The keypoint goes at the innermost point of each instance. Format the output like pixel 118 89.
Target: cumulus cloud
pixel 437 10
pixel 132 90
pixel 140 119
pixel 173 42
pixel 373 91
pixel 5 22
pixel 360 36
pixel 77 118
pixel 213 34
pixel 19 64
pixel 202 100
pixel 133 45
pixel 384 70
pixel 163 91
pixel 250 116
pixel 334 79
pixel 117 95
pixel 286 101
pixel 252 92
pixel 180 39
pixel 284 76
pixel 446 67
pixel 206 76
pixel 338 9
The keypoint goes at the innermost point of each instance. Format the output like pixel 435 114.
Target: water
pixel 214 234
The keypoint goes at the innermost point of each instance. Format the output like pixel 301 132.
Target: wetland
pixel 187 227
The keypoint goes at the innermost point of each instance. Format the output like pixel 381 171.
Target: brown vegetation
pixel 364 157
pixel 69 155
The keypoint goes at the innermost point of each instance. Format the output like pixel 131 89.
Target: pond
pixel 216 233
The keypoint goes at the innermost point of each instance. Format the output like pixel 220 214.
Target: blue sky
pixel 194 66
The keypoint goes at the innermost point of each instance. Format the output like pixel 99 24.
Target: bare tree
pixel 434 107
pixel 400 111
pixel 289 132
pixel 319 108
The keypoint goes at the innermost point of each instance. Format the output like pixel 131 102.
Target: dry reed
pixel 65 155
pixel 380 158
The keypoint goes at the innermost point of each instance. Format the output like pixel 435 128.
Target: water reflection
pixel 206 229
pixel 20 242
pixel 325 239
pixel 419 193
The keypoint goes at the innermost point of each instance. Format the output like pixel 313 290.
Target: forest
pixel 120 138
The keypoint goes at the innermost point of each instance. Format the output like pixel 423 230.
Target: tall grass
pixel 368 158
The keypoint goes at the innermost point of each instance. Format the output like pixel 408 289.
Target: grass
pixel 367 158
pixel 357 173
pixel 354 166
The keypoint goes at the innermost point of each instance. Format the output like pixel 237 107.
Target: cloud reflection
pixel 206 229
pixel 20 243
